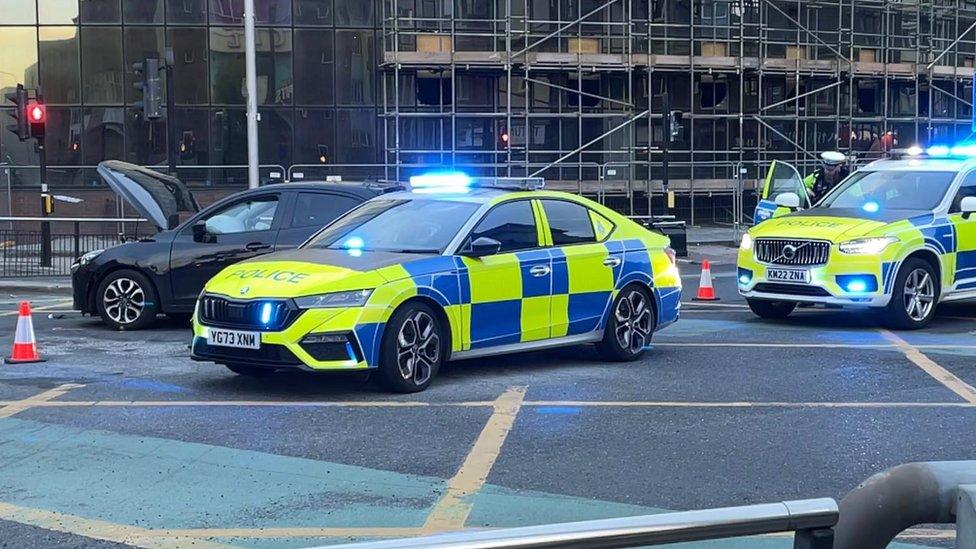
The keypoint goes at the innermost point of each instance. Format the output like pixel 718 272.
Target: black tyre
pixel 250 371
pixel 771 310
pixel 413 349
pixel 630 325
pixel 127 300
pixel 914 297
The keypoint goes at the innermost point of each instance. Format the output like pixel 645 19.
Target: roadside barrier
pixel 706 291
pixel 25 344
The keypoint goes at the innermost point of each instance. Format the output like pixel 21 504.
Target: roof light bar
pixel 461 182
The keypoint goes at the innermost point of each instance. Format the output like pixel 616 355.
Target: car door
pixel 311 211
pixel 510 290
pixel 781 178
pixel 583 267
pixel 219 237
pixel 964 278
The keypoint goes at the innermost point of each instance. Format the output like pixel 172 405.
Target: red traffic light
pixel 36 113
pixel 504 137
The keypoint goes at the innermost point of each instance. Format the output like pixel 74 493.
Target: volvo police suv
pixel 897 236
pixel 455 268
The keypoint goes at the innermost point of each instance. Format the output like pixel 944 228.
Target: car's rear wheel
pixel 771 310
pixel 412 349
pixel 250 371
pixel 915 296
pixel 629 327
pixel 126 300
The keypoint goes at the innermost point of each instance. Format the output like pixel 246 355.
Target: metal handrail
pixel 768 518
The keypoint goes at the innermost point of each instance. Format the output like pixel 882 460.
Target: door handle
pixel 540 270
pixel 612 262
pixel 257 246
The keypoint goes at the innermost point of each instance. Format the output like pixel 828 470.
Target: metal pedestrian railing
pixel 24 252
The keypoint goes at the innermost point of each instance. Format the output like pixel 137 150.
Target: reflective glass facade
pixel 317 78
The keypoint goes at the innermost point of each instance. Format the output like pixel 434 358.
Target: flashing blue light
pixel 745 276
pixel 938 150
pixel 354 252
pixel 966 149
pixel 441 180
pixel 266 310
pixel 871 207
pixel 858 283
pixel 354 243
pixel 856 286
pixel 743 279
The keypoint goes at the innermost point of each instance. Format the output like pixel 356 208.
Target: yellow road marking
pixel 44 308
pixel 17 406
pixel 451 512
pixel 95 529
pixel 943 376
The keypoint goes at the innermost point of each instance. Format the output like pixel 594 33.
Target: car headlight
pixel 354 298
pixel 746 243
pixel 89 257
pixel 866 246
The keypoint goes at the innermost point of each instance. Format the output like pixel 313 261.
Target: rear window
pixel 569 223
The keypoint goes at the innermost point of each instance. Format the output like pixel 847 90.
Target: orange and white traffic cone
pixel 25 345
pixel 706 292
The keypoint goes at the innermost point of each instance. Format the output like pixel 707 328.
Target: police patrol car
pixel 454 268
pixel 897 236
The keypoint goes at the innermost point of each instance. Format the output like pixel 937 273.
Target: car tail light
pixel 672 255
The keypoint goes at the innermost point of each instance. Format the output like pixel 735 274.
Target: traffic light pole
pixel 45 198
pixel 666 123
pixel 171 146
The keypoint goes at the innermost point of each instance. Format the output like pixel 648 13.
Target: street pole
pixel 45 225
pixel 251 76
pixel 665 175
pixel 170 113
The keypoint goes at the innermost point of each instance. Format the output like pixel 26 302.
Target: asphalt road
pixel 120 439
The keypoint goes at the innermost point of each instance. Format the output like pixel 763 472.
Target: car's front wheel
pixel 915 296
pixel 126 300
pixel 630 326
pixel 771 310
pixel 412 349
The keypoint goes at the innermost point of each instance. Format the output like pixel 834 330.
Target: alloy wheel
pixel 418 348
pixel 124 300
pixel 633 326
pixel 919 294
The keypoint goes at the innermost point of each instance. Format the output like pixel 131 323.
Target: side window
pixel 968 188
pixel 320 209
pixel 569 223
pixel 256 214
pixel 512 224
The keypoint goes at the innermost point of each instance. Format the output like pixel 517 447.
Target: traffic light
pixel 20 128
pixel 150 85
pixel 36 117
pixel 504 138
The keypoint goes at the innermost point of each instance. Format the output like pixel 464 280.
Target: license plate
pixel 788 275
pixel 233 338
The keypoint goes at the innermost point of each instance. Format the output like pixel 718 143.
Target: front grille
pixel 246 315
pixel 792 252
pixel 791 289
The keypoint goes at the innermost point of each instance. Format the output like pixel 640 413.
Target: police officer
pixel 833 170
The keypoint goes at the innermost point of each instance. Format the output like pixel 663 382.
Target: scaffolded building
pixel 573 90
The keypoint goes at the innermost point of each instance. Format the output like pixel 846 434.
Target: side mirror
pixel 788 200
pixel 968 206
pixel 200 233
pixel 482 246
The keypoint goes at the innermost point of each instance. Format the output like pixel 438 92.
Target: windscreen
pixel 890 190
pixel 397 225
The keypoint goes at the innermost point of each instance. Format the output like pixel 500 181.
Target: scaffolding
pixel 573 90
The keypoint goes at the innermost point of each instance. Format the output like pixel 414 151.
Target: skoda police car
pixel 453 268
pixel 897 236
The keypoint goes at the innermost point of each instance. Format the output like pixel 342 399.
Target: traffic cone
pixel 706 292
pixel 25 345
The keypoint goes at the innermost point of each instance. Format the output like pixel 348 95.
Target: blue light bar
pixel 354 243
pixel 938 151
pixel 871 207
pixel 451 180
pixel 266 310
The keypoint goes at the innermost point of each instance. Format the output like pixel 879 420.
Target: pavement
pixel 118 439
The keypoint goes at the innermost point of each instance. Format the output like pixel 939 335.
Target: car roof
pixel 952 165
pixel 361 189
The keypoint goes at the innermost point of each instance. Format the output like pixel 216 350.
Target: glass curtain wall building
pixel 317 83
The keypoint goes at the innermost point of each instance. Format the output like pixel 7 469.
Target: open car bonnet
pixel 158 197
